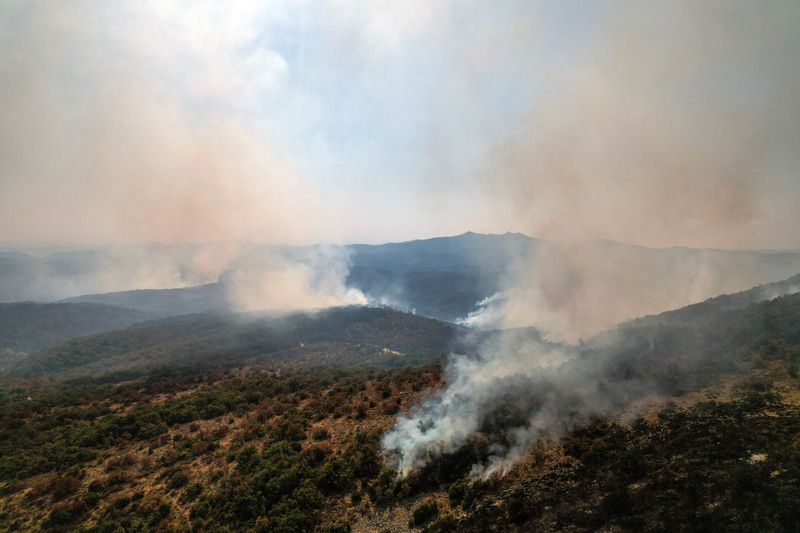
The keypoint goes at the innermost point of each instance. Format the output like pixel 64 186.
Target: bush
pixel 287 517
pixel 91 499
pixel 178 480
pixel 247 460
pixel 320 434
pixel 65 513
pixel 518 508
pixel 424 514
pixel 315 455
pixel 342 526
pixel 59 486
pixel 192 491
pixel 456 492
pixel 122 461
pixel 163 509
pixel 335 475
pixel 121 502
pixel 444 524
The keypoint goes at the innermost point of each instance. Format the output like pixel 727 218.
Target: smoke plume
pixel 675 127
pixel 303 278
pixel 145 122
pixel 571 291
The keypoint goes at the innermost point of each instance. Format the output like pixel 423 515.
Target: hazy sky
pixel 658 123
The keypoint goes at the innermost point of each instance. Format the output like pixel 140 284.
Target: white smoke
pixel 524 384
pixel 520 387
pixel 301 278
pixel 446 421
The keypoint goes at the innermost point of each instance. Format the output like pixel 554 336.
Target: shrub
pixel 444 524
pixel 335 475
pixel 192 491
pixel 178 480
pixel 163 509
pixel 287 517
pixel 247 460
pixel 91 499
pixel 116 479
pixel 342 526
pixel 315 455
pixel 65 513
pixel 59 486
pixel 121 502
pixel 456 492
pixel 121 461
pixel 518 508
pixel 320 434
pixel 424 514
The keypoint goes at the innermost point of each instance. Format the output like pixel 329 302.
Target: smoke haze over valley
pixel 336 266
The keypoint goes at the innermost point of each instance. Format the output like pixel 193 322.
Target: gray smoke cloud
pixel 156 121
pixel 574 290
pixel 301 278
pixel 101 136
pixel 475 386
pixel 250 277
pixel 519 388
pixel 142 122
pixel 677 125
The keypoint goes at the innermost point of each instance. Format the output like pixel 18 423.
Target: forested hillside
pixel 295 447
pixel 29 327
pixel 343 336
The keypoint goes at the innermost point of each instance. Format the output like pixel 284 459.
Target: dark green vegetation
pixel 712 307
pixel 355 335
pixel 713 466
pixel 683 350
pixel 29 327
pixel 243 452
pixel 725 459
pixel 273 424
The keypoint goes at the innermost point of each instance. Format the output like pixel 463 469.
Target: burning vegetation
pixel 296 448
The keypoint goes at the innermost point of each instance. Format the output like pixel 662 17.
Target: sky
pixel 336 121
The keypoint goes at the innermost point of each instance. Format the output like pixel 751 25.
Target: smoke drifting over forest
pixel 669 124
pixel 654 139
pixel 311 279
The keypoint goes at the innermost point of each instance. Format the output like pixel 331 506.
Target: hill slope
pixel 29 327
pixel 281 447
pixel 285 448
pixel 348 336
pixel 164 302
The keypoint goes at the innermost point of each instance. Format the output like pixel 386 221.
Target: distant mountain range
pixel 79 339
pixel 442 278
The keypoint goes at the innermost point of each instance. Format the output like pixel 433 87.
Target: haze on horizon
pixel 326 121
